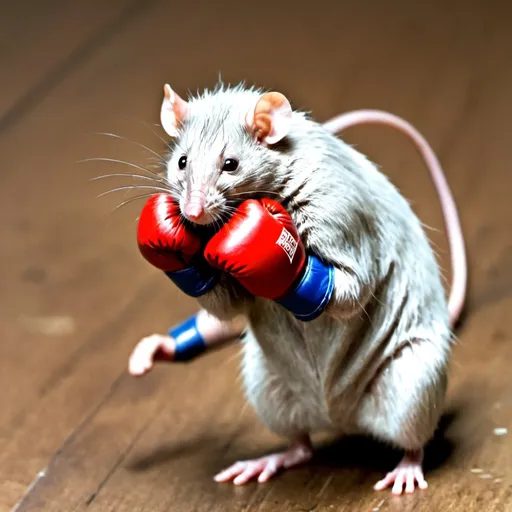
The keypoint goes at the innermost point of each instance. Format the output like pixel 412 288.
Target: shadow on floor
pixel 349 452
pixel 364 453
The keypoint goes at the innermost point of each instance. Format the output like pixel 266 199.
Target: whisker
pixel 132 187
pixel 218 221
pixel 253 192
pixel 154 133
pixel 225 188
pixel 116 161
pixel 229 207
pixel 157 135
pixel 135 176
pixel 127 201
pixel 234 211
pixel 136 220
pixel 215 220
pixel 160 160
pixel 224 216
pixel 426 226
pixel 115 136
pixel 157 167
pixel 180 147
pixel 167 143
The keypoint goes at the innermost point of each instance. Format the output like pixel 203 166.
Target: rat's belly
pixel 303 375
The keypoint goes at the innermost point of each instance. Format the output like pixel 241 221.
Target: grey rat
pixel 376 361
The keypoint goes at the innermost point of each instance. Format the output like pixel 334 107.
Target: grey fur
pixel 377 360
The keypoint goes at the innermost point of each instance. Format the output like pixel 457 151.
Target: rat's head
pixel 222 149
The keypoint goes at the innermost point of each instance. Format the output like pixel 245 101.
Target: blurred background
pixel 77 296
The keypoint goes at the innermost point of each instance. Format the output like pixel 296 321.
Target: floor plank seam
pixel 34 485
pixel 119 461
pixel 115 384
pixel 30 488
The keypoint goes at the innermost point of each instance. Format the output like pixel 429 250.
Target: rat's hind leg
pixel 403 405
pixel 282 412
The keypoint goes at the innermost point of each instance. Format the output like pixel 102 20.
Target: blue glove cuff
pixel 189 343
pixel 192 281
pixel 311 295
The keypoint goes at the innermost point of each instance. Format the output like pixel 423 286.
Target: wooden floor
pixel 76 431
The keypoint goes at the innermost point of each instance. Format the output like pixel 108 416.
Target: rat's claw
pixel 268 472
pixel 230 472
pixel 422 483
pixel 252 469
pixel 265 467
pixel 408 473
pixel 399 482
pixel 242 471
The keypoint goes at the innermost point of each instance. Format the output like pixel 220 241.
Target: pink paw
pixel 265 467
pixel 150 349
pixel 408 473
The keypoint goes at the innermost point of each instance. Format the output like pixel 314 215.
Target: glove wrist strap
pixel 193 281
pixel 189 342
pixel 310 296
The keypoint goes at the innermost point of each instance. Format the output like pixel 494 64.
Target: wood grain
pixel 77 296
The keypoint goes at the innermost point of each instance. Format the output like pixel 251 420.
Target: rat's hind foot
pixel 408 472
pixel 241 472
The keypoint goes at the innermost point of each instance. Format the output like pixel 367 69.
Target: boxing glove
pixel 261 248
pixel 166 243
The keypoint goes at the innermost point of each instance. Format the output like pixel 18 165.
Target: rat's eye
pixel 182 162
pixel 230 165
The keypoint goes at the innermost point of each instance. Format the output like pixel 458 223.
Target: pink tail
pixel 451 217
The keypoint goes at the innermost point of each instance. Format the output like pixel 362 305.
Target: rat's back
pixel 351 215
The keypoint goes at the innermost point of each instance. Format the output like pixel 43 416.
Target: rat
pixel 376 361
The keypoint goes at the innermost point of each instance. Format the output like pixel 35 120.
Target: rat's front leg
pixel 261 250
pixel 326 289
pixel 350 294
pixel 185 341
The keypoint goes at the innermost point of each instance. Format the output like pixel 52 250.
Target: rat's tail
pixel 451 217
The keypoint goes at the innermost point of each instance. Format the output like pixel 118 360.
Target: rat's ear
pixel 173 112
pixel 271 117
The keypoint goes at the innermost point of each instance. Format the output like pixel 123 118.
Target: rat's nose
pixel 194 210
pixel 194 205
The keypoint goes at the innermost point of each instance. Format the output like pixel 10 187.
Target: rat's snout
pixel 194 208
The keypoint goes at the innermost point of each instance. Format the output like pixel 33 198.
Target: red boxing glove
pixel 260 247
pixel 162 237
pixel 168 245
